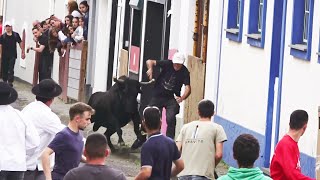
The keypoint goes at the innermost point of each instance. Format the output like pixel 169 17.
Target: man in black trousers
pixel 8 46
pixel 46 57
pixel 167 88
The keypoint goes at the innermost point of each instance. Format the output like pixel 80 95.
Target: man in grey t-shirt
pixel 96 152
pixel 201 144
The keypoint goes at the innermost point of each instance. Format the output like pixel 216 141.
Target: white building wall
pixel 187 16
pixel 244 76
pixel 175 24
pixel 301 85
pixel 100 69
pixel 215 35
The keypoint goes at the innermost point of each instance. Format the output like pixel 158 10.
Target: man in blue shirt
pixel 158 152
pixel 67 144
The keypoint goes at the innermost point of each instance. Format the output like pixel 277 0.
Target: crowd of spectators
pixel 73 29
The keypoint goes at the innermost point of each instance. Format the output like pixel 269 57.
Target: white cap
pixel 7 23
pixel 178 58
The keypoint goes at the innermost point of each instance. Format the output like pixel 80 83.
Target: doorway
pixel 155 42
pixel 112 43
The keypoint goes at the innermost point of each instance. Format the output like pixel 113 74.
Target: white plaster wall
pixel 244 76
pixel 186 25
pixel 215 35
pixel 103 12
pixel 175 24
pixel 300 87
pixel 23 18
pixel 185 33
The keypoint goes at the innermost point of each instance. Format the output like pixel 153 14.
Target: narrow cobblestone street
pixel 124 159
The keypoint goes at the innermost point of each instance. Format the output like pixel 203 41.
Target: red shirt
pixel 285 162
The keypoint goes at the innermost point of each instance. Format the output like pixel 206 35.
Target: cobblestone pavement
pixel 125 159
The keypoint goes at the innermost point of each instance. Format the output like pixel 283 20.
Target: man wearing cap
pixel 18 136
pixel 167 87
pixel 46 122
pixel 8 48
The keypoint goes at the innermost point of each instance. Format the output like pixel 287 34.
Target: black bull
pixel 116 108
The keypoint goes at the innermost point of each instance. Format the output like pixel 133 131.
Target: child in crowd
pixel 84 8
pixel 45 28
pixel 54 42
pixel 75 22
pixel 73 9
pixel 44 25
pixel 48 23
pixel 78 33
pixel 68 20
pixel 69 34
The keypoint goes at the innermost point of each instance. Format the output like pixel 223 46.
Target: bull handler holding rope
pixel 167 88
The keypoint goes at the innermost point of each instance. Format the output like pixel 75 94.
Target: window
pixel 256 28
pixel 235 20
pixel 302 29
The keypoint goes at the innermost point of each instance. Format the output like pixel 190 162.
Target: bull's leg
pixel 108 135
pixel 120 141
pixel 137 130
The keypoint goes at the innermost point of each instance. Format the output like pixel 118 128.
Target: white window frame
pixel 260 20
pixel 306 20
pixel 238 14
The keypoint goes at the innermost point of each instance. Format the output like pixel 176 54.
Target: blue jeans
pixel 11 175
pixel 193 177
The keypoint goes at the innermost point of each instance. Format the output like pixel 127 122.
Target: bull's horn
pixel 118 80
pixel 146 83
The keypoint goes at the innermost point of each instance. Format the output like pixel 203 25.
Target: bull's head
pixel 129 90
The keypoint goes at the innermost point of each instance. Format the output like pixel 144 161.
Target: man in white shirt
pixel 18 137
pixel 46 122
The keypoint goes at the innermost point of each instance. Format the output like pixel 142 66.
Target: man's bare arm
pixel 0 51
pixel 23 53
pixel 45 158
pixel 185 95
pixel 144 173
pixel 39 49
pixel 179 146
pixel 177 167
pixel 150 63
pixel 219 153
